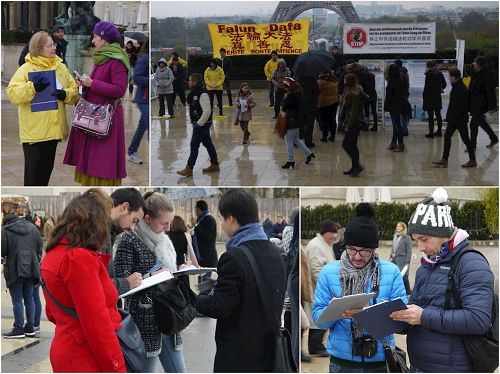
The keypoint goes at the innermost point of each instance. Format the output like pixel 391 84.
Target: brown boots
pixel 186 172
pixel 246 135
pixel 212 168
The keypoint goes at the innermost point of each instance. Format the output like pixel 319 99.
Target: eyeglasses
pixel 365 252
pixel 52 45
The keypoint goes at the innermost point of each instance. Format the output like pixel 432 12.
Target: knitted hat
pixel 433 216
pixel 107 31
pixel 57 27
pixel 327 226
pixel 361 231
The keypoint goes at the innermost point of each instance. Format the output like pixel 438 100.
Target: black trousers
pixel 372 104
pixel 170 104
pixel 431 114
pixel 278 100
pixel 480 121
pixel 39 162
pixel 182 95
pixel 309 118
pixel 464 134
pixel 227 87
pixel 217 93
pixel 328 119
pixel 350 145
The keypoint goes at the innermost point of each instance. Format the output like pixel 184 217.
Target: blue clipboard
pixel 43 100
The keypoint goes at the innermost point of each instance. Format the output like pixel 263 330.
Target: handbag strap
pixel 69 311
pixel 260 286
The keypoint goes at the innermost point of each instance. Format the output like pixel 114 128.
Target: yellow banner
pixel 287 38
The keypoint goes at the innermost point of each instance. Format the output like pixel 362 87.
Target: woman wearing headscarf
pixel 101 161
pixel 360 270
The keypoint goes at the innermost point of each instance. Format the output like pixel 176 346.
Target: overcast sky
pixel 227 8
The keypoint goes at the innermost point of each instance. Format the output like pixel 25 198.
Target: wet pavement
pixel 62 175
pixel 259 162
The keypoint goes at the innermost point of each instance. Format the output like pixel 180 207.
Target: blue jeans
pixel 405 120
pixel 397 129
pixel 19 291
pixel 201 135
pixel 291 137
pixel 414 369
pixel 141 128
pixel 171 360
pixel 334 368
pixel 38 305
pixel 271 93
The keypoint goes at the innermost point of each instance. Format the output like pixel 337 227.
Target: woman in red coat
pixel 77 277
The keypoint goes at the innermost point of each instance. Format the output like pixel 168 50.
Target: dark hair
pixel 481 61
pixel 274 53
pixel 85 222
pixel 240 205
pixel 178 225
pixel 175 58
pixel 393 71
pixel 130 41
pixel 174 53
pixel 430 63
pixel 144 47
pixel 399 63
pixel 222 49
pixel 202 205
pixel 128 195
pixel 240 92
pixel 335 47
pixel 212 60
pixel 196 77
pixel 455 73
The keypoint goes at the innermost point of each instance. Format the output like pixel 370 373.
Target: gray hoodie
pixel 164 79
pixel 279 74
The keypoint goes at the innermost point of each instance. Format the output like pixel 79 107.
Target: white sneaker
pixel 135 159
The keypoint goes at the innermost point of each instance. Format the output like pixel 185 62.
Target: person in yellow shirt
pixel 269 69
pixel 214 78
pixel 181 61
pixel 40 132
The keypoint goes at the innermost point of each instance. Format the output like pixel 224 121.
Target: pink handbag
pixel 93 119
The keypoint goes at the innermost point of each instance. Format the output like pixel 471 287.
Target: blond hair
pixel 156 203
pixel 37 42
pixel 405 228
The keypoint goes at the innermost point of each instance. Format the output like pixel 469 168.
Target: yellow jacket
pixel 214 77
pixel 41 126
pixel 329 93
pixel 269 68
pixel 181 61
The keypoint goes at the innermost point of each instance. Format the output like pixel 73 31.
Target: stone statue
pixel 77 17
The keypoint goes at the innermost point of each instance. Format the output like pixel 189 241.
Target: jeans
pixel 464 134
pixel 38 305
pixel 19 291
pixel 217 93
pixel 475 123
pixel 171 360
pixel 141 128
pixel 38 162
pixel 328 120
pixel 431 113
pixel 350 145
pixel 227 86
pixel 414 369
pixel 291 137
pixel 397 129
pixel 334 368
pixel 271 93
pixel 201 135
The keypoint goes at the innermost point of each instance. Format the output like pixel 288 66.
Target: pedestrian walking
pixel 214 79
pixel 204 238
pixel 482 101
pixel 200 114
pixel 141 79
pixel 226 65
pixel 245 102
pixel 179 77
pixel 164 78
pixel 433 88
pixel 132 53
pixel 406 115
pixel 22 251
pixel 353 102
pixel 294 112
pixel 401 252
pixel 101 161
pixel 429 313
pixel 245 334
pixel 75 275
pixel 371 104
pixel 269 69
pixel 310 90
pixel 396 104
pixel 280 73
pixel 40 132
pixel 457 118
pixel 328 102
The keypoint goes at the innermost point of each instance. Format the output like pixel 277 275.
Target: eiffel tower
pixel 289 10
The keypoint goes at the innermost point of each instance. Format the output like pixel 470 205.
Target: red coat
pixel 77 278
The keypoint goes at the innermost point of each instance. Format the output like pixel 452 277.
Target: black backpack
pixel 481 349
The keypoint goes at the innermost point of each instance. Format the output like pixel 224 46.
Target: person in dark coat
pixel 179 77
pixel 395 103
pixel 58 38
pixel 370 90
pixel 405 116
pixel 226 64
pixel 482 100
pixel 338 57
pixel 340 72
pixel 205 237
pixel 433 88
pixel 310 104
pixel 22 251
pixel 244 336
pixel 267 225
pixel 132 53
pixel 435 336
pixel 457 117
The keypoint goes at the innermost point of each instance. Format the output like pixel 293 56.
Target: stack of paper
pixel 149 282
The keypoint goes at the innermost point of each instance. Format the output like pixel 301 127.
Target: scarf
pixel 44 63
pixel 159 244
pixel 246 233
pixel 458 237
pixel 114 51
pixel 355 281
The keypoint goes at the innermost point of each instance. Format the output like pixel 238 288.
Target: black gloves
pixel 40 85
pixel 60 95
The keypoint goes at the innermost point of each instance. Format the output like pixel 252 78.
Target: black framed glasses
pixel 364 252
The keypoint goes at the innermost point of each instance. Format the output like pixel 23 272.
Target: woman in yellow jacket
pixel 41 131
pixel 269 69
pixel 214 78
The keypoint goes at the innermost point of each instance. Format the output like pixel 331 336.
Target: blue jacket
pixel 141 79
pixel 436 345
pixel 340 340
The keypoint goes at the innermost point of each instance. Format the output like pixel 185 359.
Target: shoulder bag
pixel 280 127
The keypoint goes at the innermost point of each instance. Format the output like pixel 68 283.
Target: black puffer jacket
pixel 482 97
pixel 293 106
pixel 457 108
pixel 434 85
pixel 22 248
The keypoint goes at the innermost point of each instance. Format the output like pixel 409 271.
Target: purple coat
pixel 103 158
